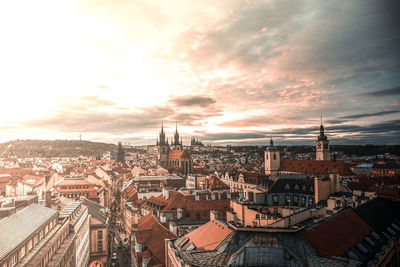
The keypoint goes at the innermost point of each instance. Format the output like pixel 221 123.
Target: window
pixel 63 187
pixel 303 200
pixel 274 156
pixel 22 252
pixel 71 187
pixel 311 201
pixel 287 197
pixel 62 194
pixel 14 259
pixel 267 156
pixel 85 187
pixel 86 194
pixel 100 234
pixel 78 187
pixel 99 245
pixel 275 198
pixel 70 195
pixel 295 198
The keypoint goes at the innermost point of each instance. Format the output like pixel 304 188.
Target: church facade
pixel 173 157
pixel 322 165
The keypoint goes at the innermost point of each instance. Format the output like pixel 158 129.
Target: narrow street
pixel 115 242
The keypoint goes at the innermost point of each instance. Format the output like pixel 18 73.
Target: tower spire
pixel 271 143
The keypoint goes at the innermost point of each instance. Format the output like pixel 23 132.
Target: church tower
pixel 272 159
pixel 163 147
pixel 322 145
pixel 177 145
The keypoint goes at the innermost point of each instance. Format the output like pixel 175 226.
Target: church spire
pixel 322 135
pixel 271 143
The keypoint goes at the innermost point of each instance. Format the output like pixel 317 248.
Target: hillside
pixel 54 148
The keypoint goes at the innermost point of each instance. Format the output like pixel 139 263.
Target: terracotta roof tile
pixel 177 154
pixel 151 232
pixel 315 166
pixel 338 234
pixel 209 235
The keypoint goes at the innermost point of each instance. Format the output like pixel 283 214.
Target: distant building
pixel 195 142
pixel 322 145
pixel 276 167
pixel 119 154
pixel 386 169
pixel 174 157
pixel 364 168
pixel 74 187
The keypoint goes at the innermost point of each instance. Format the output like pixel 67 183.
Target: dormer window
pixel 287 186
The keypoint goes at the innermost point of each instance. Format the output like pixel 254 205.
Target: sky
pixel 228 72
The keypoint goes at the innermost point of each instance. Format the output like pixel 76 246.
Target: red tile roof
pixel 151 232
pixel 209 235
pixel 216 184
pixel 338 234
pixel 177 154
pixel 315 166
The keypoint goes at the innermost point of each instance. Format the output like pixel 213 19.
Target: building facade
pixel 174 157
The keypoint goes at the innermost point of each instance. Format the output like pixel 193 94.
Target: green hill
pixel 53 148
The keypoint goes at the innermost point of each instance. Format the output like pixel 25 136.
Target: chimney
pixel 165 193
pixel 146 258
pixel 214 215
pixel 179 213
pixel 48 199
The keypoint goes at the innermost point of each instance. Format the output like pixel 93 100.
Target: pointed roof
pixel 209 235
pixel 150 232
pixel 177 154
pixel 216 184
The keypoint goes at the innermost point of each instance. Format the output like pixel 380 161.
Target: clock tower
pixel 322 146
pixel 272 159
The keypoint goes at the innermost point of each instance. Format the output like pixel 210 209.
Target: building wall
pixel 98 241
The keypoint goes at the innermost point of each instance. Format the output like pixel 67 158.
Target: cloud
pixel 395 91
pixel 190 101
pixel 358 116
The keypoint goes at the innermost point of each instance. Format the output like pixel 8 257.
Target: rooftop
pixel 15 229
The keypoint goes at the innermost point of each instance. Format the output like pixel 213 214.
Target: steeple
pixel 322 145
pixel 322 136
pixel 176 136
pixel 162 135
pixel 271 143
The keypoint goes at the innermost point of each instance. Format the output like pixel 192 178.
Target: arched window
pixel 274 156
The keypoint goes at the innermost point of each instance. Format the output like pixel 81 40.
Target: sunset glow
pixel 229 72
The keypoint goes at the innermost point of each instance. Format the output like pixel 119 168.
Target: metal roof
pixel 19 226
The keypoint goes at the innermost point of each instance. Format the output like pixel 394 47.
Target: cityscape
pixel 200 133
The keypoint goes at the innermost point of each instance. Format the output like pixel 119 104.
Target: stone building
pixel 173 157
